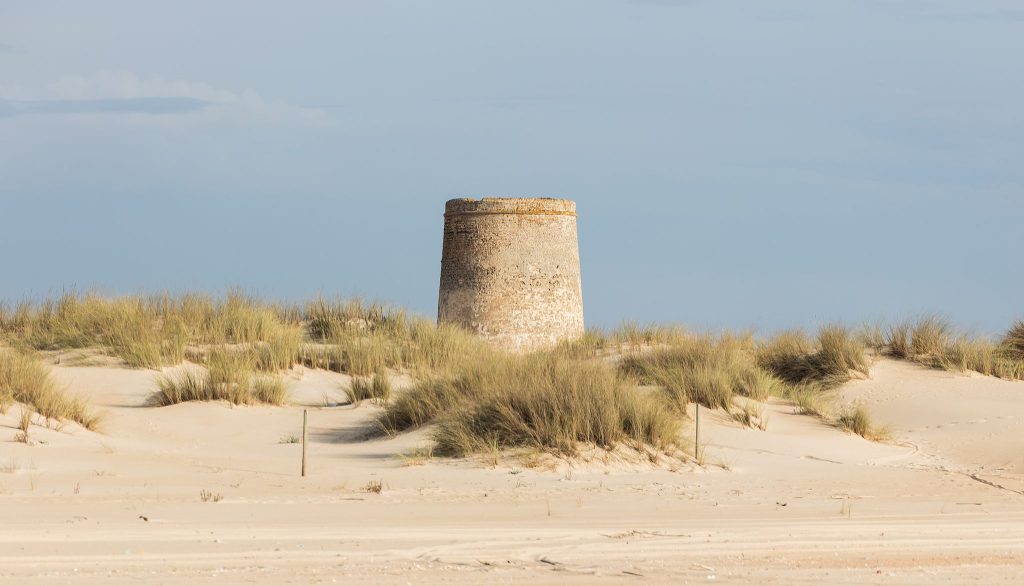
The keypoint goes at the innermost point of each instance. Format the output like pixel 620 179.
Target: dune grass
pixel 750 414
pixel 828 361
pixel 537 401
pixel 923 340
pixel 704 369
pixel 145 331
pixel 376 388
pixel 1012 344
pixel 161 330
pixel 25 379
pixel 933 342
pixel 229 376
pixel 856 419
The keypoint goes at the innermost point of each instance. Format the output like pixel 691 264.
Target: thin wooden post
pixel 696 433
pixel 305 438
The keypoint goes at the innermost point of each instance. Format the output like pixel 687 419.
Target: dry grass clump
pixel 355 353
pixel 809 399
pixel 827 362
pixel 1012 344
pixel 983 356
pixel 229 376
pixel 327 320
pixel 704 369
pixel 857 420
pixel 142 339
pixel 628 337
pixel 417 345
pixel 376 388
pixel 750 414
pixel 634 335
pixel 537 401
pixel 933 342
pixel 924 340
pixel 24 424
pixel 281 350
pixel 26 380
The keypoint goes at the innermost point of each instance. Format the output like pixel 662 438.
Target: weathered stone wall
pixel 510 271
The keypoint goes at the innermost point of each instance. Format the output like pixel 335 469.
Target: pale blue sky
pixel 735 164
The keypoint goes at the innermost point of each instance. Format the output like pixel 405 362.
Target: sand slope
pixel 801 503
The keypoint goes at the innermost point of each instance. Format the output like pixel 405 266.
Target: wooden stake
pixel 305 438
pixel 696 433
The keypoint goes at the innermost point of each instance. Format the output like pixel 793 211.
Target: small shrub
pixel 374 487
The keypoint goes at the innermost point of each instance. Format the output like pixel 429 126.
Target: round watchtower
pixel 510 271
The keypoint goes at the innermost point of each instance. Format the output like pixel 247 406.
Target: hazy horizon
pixel 735 165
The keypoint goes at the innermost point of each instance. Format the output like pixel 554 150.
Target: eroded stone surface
pixel 510 271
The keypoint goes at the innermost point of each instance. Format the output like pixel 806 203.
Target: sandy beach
pixel 800 503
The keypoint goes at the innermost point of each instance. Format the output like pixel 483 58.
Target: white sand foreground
pixel 800 503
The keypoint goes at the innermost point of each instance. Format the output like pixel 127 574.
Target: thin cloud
pixel 123 92
pixel 154 106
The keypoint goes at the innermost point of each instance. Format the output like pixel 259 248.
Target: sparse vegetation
pixel 373 487
pixel 210 497
pixel 24 423
pixel 809 400
pixel 25 379
pixel 228 376
pixel 931 341
pixel 417 456
pixel 857 420
pixel 750 414
pixel 376 388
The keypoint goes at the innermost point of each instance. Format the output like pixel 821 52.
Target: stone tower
pixel 510 271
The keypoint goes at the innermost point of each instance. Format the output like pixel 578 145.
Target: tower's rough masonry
pixel 510 271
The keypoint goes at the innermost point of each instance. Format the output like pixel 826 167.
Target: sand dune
pixel 800 503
